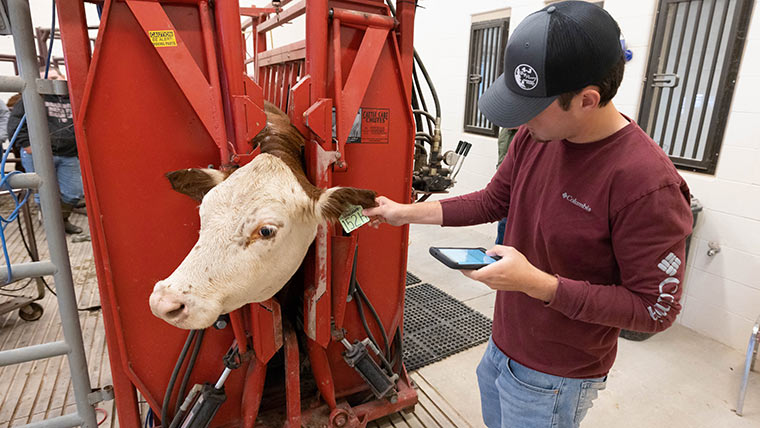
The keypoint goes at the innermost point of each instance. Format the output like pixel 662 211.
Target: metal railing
pixel 44 179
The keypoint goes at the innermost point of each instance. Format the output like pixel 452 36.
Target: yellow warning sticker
pixel 163 38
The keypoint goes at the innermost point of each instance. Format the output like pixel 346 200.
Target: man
pixel 63 142
pixel 596 226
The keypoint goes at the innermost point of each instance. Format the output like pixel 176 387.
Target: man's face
pixel 553 123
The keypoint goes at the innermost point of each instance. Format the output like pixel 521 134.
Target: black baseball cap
pixel 563 47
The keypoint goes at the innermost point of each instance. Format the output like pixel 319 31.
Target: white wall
pixel 722 293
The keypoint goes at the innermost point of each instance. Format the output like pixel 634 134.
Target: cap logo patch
pixel 526 77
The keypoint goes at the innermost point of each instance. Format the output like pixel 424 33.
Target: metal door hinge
pixel 100 394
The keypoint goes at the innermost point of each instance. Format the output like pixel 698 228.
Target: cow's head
pixel 256 227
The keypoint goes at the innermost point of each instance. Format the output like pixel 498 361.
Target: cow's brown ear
pixel 337 200
pixel 195 182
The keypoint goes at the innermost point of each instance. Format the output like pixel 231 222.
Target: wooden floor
pixel 42 389
pixel 433 411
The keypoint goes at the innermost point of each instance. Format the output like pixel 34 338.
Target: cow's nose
pixel 169 306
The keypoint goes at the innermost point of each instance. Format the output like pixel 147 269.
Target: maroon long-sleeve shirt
pixel 609 219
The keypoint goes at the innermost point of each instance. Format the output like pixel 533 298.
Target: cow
pixel 257 224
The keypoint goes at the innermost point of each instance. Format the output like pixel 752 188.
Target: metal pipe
pixel 213 77
pixel 29 270
pixel 26 180
pixel 65 421
pixel 11 84
pixel 23 40
pixel 363 18
pixel 316 56
pixel 31 353
pixel 227 16
pixel 223 378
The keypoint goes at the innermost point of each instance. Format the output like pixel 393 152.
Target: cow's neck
pixel 286 144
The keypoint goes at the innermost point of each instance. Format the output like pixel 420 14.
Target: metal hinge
pixel 52 87
pixel 100 394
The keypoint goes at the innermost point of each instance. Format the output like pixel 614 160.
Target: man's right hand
pixel 395 214
pixel 386 211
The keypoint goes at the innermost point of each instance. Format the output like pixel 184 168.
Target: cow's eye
pixel 267 231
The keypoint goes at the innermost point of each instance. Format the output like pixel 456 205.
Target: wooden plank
pixel 439 409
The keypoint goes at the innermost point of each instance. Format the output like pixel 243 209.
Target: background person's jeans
pixel 514 396
pixel 68 173
pixel 500 231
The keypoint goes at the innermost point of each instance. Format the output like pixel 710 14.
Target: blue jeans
pixel 500 231
pixel 512 395
pixel 68 173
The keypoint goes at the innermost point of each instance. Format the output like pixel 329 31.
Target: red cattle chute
pixel 165 89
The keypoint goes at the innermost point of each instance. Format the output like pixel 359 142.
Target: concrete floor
pixel 675 379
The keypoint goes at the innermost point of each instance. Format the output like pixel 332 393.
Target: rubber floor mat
pixel 412 279
pixel 437 326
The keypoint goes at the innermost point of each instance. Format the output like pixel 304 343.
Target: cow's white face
pixel 256 227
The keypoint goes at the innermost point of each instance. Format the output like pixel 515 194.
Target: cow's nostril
pixel 176 312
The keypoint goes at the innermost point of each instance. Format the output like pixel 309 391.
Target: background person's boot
pixel 68 227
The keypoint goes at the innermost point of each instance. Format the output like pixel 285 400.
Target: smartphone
pixel 463 258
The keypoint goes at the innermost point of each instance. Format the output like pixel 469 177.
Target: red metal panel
pixel 204 98
pixel 127 158
pixel 76 49
pixel 387 169
pixel 141 228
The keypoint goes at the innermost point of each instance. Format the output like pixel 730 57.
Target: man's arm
pixel 22 140
pixel 397 214
pixel 649 241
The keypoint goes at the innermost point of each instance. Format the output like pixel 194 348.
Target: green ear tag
pixel 353 219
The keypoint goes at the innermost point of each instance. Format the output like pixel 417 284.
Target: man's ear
pixel 590 97
pixel 195 182
pixel 337 200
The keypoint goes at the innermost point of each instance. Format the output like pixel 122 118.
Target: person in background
pixel 4 115
pixel 15 149
pixel 505 139
pixel 598 218
pixel 63 142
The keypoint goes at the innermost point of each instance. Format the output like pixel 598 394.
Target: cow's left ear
pixel 337 200
pixel 195 182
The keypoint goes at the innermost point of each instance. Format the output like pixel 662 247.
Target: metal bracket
pixel 100 394
pixel 52 87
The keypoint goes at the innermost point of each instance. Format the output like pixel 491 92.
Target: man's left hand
pixel 515 273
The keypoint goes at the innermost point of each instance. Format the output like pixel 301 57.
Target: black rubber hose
pixel 430 84
pixel 386 345
pixel 364 319
pixel 416 106
pixel 422 68
pixel 173 379
pixel 384 360
pixel 418 88
pixel 188 370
